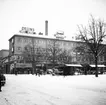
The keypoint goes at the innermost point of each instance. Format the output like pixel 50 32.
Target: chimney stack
pixel 46 27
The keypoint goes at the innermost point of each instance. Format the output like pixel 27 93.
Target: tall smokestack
pixel 46 27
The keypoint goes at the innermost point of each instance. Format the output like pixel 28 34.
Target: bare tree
pixel 83 54
pixel 65 57
pixel 32 54
pixel 93 37
pixel 53 51
pixel 56 54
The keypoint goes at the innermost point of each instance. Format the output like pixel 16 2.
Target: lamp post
pixel 45 69
pixel 15 71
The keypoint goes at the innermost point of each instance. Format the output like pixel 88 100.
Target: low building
pixel 4 53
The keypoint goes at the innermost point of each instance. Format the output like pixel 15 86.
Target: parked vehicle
pixel 58 72
pixel 49 71
pixel 3 79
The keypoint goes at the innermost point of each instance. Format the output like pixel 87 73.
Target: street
pixel 53 90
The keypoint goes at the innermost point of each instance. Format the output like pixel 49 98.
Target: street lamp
pixel 15 71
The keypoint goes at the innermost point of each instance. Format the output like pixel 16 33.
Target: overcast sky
pixel 61 15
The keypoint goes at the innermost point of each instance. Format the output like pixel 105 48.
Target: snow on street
pixel 53 90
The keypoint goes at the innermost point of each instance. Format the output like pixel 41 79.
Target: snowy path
pixel 53 90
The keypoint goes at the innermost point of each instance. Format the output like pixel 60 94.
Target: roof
pixel 98 65
pixel 43 37
pixel 4 50
pixel 74 65
pixel 78 65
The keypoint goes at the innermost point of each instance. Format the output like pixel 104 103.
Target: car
pixel 58 72
pixel 77 73
pixel 3 79
pixel 49 71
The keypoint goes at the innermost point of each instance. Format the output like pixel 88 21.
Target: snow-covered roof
pixel 98 65
pixel 74 65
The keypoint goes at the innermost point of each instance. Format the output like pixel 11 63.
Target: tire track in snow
pixel 51 99
pixel 8 103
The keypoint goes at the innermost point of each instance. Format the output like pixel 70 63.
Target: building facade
pixel 4 53
pixel 44 51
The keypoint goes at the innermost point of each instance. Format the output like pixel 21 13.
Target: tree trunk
pixel 85 70
pixel 96 67
pixel 34 69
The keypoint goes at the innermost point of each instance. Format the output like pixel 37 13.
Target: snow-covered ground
pixel 54 90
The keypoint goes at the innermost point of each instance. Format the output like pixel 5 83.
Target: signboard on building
pixel 60 35
pixel 27 30
pixel 23 65
pixel 16 58
pixel 20 65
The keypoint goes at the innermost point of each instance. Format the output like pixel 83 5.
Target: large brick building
pixel 18 44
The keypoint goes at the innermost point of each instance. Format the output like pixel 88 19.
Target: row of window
pixel 20 49
pixel 30 40
pixel 43 41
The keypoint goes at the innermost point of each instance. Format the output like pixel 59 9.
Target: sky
pixel 62 15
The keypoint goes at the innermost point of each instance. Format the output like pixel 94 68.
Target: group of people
pixel 2 81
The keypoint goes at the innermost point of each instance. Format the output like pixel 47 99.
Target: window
pixel 26 40
pixel 29 40
pixel 18 49
pixel 19 40
pixel 12 50
pixel 101 58
pixel 12 40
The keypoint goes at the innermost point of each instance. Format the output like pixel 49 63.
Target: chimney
pixel 46 27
